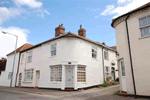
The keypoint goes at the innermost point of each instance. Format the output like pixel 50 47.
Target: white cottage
pixel 66 61
pixel 6 76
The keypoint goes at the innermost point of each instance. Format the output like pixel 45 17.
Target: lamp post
pixel 14 56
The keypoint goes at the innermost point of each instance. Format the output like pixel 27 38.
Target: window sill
pixel 29 62
pixel 54 82
pixel 144 37
pixel 81 82
pixel 27 81
pixel 95 59
pixel 106 59
pixel 52 56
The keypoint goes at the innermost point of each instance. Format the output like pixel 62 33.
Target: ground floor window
pixel 10 75
pixel 55 73
pixel 81 74
pixel 107 71
pixel 28 75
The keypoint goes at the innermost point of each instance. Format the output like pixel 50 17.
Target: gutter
pixel 103 65
pixel 130 57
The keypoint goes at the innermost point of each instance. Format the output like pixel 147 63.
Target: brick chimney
pixel 59 30
pixel 103 43
pixel 82 31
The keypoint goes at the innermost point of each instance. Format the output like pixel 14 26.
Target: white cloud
pixel 122 9
pixel 42 12
pixel 92 9
pixel 123 1
pixel 7 42
pixel 7 13
pixel 30 3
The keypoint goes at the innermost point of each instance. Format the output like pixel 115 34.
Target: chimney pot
pixel 82 32
pixel 59 30
pixel 80 26
pixel 103 43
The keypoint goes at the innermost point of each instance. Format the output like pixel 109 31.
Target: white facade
pixel 70 53
pixel 4 78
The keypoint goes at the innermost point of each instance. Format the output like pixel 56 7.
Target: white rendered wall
pixel 4 81
pixel 68 49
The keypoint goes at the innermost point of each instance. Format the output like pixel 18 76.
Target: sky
pixel 34 21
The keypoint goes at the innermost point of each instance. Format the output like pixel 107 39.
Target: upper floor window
pixel 22 58
pixel 94 52
pixel 30 56
pixel 53 49
pixel 144 24
pixel 106 55
pixel 122 68
pixel 28 75
pixel 10 75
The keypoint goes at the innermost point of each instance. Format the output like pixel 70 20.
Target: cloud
pixel 127 6
pixel 92 9
pixel 7 13
pixel 42 12
pixel 29 3
pixel 7 42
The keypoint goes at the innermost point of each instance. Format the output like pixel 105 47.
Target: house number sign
pixel 69 62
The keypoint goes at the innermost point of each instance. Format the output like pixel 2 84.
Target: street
pixel 5 95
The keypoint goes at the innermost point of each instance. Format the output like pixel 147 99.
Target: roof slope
pixel 137 9
pixel 70 34
pixel 23 47
pixel 114 47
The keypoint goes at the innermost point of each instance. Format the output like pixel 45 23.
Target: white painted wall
pixel 4 81
pixel 68 49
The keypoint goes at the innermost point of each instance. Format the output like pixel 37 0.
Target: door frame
pixel 72 67
pixel 37 79
pixel 123 77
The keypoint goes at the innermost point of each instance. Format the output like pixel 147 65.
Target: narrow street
pixel 42 94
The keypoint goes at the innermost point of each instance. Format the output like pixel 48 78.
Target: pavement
pixel 7 93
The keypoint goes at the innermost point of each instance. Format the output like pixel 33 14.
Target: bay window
pixel 28 75
pixel 55 73
pixel 81 74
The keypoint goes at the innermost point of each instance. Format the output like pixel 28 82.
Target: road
pixel 5 95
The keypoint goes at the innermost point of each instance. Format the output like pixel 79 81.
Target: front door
pixel 37 78
pixel 20 78
pixel 123 77
pixel 69 77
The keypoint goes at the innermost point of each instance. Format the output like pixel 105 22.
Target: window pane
pixel 81 74
pixel 53 53
pixel 143 21
pixel 145 32
pixel 148 20
pixel 94 52
pixel 122 68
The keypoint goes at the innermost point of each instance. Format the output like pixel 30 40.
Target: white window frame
pixel 81 71
pixel 56 73
pixel 122 68
pixel 107 72
pixel 53 50
pixel 22 58
pixel 146 26
pixel 30 55
pixel 106 58
pixel 28 72
pixel 94 52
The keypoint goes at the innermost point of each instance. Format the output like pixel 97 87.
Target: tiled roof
pixel 23 47
pixel 72 35
pixel 114 47
pixel 137 9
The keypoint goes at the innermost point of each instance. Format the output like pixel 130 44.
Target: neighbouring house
pixel 6 74
pixel 67 61
pixel 133 45
pixel 2 64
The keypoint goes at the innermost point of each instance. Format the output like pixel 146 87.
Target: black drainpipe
pixel 130 57
pixel 103 64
